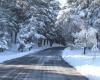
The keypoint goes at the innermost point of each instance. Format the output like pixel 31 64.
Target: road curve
pixel 44 65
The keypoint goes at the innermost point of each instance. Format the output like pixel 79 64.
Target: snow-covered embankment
pixel 88 65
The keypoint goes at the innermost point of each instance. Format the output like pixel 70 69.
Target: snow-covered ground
pixel 8 55
pixel 13 53
pixel 88 65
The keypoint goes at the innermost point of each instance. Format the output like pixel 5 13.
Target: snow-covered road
pixel 44 65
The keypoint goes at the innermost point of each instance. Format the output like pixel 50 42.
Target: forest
pixel 28 23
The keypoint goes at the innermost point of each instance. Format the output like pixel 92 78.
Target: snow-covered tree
pixel 7 28
pixel 74 13
pixel 25 21
pixel 40 21
pixel 86 38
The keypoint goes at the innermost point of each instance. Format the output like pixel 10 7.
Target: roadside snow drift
pixel 12 55
pixel 88 65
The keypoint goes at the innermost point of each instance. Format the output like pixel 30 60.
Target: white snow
pixel 62 2
pixel 13 53
pixel 3 44
pixel 8 55
pixel 82 14
pixel 88 65
pixel 39 36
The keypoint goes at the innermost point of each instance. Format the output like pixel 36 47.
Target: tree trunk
pixel 84 50
pixel 15 37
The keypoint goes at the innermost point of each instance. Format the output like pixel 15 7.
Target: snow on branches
pixel 86 38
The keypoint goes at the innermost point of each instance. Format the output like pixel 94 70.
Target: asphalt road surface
pixel 44 65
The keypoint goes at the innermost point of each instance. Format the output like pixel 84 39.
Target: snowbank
pixel 8 55
pixel 13 53
pixel 88 65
